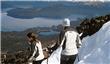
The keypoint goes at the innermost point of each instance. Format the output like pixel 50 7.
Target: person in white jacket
pixel 36 50
pixel 70 45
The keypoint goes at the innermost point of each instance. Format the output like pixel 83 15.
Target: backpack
pixel 31 50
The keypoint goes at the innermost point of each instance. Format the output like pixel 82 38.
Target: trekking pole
pixel 47 60
pixel 78 58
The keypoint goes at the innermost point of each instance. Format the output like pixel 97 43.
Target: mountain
pixel 95 48
pixel 14 41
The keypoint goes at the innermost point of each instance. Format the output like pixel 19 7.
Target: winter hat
pixel 66 22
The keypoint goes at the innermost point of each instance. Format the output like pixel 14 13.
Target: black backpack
pixel 31 50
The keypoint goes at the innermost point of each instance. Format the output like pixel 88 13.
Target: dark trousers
pixel 37 62
pixel 68 59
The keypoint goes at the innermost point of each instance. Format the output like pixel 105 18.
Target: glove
pixel 30 59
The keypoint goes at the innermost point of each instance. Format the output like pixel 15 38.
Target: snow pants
pixel 68 59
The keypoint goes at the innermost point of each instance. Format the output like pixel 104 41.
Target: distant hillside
pixel 14 41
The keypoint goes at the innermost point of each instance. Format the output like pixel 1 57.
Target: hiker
pixel 36 55
pixel 71 43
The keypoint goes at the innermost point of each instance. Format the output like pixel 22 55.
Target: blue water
pixel 18 12
pixel 48 33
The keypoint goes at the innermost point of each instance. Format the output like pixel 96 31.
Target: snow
pixel 95 48
pixel 54 58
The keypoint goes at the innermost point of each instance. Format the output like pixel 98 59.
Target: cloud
pixel 57 0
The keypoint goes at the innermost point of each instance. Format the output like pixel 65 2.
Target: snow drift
pixel 95 48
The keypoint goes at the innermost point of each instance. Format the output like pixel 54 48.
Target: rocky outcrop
pixel 91 26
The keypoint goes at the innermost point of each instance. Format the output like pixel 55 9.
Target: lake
pixel 49 33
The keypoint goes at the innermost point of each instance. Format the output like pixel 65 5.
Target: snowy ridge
pixel 95 48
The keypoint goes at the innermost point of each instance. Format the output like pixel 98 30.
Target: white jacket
pixel 41 55
pixel 71 44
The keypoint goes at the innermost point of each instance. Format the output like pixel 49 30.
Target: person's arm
pixel 78 41
pixel 59 38
pixel 57 44
pixel 63 41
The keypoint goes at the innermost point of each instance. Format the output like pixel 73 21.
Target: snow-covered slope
pixel 54 57
pixel 96 48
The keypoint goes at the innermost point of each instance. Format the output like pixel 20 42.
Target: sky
pixel 57 0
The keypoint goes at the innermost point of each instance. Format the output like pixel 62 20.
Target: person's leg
pixel 40 61
pixel 71 59
pixel 34 62
pixel 64 59
pixel 37 62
